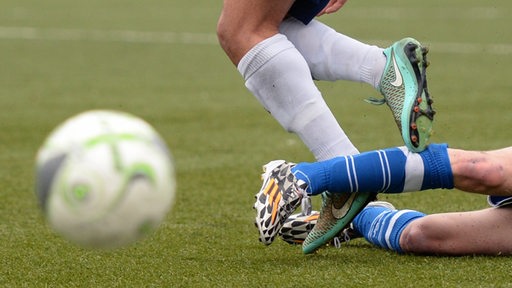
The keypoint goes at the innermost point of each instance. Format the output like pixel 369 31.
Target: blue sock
pixel 381 171
pixel 438 171
pixel 383 226
pixel 374 171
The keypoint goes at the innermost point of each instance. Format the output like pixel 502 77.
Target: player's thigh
pixel 475 232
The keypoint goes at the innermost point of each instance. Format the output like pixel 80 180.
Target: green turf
pixel 58 58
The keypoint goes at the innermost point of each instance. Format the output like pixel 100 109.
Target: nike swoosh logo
pixel 398 77
pixel 340 212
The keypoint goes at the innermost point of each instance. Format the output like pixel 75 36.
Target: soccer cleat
pixel 296 228
pixel 280 194
pixel 338 211
pixel 404 87
pixel 350 232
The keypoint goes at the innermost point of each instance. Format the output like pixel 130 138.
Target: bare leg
pixel 475 232
pixel 488 173
pixel 245 23
pixel 485 232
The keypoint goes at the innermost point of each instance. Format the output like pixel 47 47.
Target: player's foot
pixel 338 211
pixel 404 87
pixel 350 232
pixel 280 194
pixel 296 228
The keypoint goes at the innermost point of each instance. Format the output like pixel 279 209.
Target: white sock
pixel 277 74
pixel 333 56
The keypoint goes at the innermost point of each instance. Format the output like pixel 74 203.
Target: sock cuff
pixel 321 177
pixel 438 170
pixel 403 218
pixel 372 64
pixel 383 226
pixel 261 53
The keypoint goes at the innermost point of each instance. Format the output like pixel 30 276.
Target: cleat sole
pixel 422 113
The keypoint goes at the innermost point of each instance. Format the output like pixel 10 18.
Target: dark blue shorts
pixel 306 10
pixel 499 201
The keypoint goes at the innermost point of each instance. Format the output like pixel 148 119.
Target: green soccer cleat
pixel 338 211
pixel 404 87
pixel 298 226
pixel 350 232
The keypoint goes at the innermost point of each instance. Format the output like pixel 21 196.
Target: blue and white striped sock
pixel 392 170
pixel 383 226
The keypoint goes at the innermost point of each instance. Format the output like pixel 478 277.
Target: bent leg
pixel 278 76
pixel 484 232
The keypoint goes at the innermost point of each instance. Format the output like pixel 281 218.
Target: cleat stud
pixel 411 46
pixel 414 126
pixel 414 138
pixel 419 100
pixel 416 109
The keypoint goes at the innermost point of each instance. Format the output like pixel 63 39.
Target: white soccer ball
pixel 105 179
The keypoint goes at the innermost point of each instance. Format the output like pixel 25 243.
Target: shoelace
pixel 337 240
pixel 306 206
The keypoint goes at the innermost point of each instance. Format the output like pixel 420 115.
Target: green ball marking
pixel 80 192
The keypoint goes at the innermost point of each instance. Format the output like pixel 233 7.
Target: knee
pixel 235 32
pixel 236 39
pixel 238 32
pixel 225 33
pixel 422 236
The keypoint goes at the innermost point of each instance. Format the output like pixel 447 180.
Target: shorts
pixel 499 201
pixel 306 10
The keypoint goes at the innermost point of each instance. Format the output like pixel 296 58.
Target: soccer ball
pixel 104 179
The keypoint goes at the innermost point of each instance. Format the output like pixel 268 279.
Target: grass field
pixel 160 60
